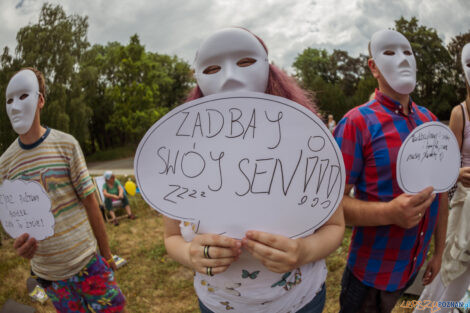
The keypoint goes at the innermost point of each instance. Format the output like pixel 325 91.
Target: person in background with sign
pixel 392 230
pixel 67 264
pixel 275 273
pixel 454 277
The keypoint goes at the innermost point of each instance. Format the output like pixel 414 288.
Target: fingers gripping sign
pixel 278 253
pixel 213 254
pixel 25 246
pixel 408 210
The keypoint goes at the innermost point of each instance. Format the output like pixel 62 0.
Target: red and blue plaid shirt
pixel 370 135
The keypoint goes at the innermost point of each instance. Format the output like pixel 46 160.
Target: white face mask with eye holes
pixel 231 60
pixel 466 61
pixel 393 56
pixel 22 100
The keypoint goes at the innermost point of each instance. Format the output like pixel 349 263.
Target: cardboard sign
pixel 429 156
pixel 25 208
pixel 234 162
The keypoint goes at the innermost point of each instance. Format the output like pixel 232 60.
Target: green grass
pixel 112 154
pixel 151 281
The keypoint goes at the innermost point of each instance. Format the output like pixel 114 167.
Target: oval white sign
pixel 233 162
pixel 429 156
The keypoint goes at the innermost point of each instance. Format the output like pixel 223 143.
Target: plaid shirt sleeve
pixel 350 141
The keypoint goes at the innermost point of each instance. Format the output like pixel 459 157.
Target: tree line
pixel 109 95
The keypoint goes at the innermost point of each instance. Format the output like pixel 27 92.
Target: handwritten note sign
pixel 429 156
pixel 240 161
pixel 25 208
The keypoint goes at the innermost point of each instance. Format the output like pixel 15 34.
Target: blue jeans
pixel 314 306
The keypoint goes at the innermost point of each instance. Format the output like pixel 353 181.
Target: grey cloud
pixel 178 26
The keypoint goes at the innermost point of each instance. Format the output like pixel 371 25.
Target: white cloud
pixel 287 27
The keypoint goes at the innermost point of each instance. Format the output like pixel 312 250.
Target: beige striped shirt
pixel 58 165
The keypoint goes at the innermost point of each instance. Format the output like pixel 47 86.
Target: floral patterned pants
pixel 93 289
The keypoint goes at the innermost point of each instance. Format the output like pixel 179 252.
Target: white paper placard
pixel 242 161
pixel 25 208
pixel 429 156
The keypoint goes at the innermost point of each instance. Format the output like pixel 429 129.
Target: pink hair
pixel 279 84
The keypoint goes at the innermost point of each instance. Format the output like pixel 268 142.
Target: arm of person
pixel 281 254
pixel 109 195
pixel 223 250
pixel 121 191
pixel 98 227
pixel 456 124
pixel 434 264
pixel 405 210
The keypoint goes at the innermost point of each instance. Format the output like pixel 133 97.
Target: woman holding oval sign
pixel 263 277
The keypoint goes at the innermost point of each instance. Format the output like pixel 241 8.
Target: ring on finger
pixel 419 214
pixel 209 271
pixel 206 252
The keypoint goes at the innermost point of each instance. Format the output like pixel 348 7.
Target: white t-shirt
pixel 248 286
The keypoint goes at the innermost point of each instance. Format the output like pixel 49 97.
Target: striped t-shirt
pixel 57 163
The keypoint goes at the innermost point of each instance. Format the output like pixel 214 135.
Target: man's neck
pixel 404 100
pixel 33 134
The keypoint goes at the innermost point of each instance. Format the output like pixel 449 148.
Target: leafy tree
pixel 55 46
pixel 332 78
pixel 455 49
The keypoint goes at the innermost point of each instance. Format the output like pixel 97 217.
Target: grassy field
pixel 151 281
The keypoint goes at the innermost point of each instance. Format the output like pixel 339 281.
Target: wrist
pixel 388 213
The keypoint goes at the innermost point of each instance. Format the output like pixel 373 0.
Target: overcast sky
pixel 287 26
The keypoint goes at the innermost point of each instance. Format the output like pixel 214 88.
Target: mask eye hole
pixel 468 64
pixel 245 62
pixel 407 52
pixel 10 101
pixel 212 69
pixel 24 96
pixel 389 52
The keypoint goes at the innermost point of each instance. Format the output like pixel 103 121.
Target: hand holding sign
pixel 25 208
pixel 240 161
pixel 429 156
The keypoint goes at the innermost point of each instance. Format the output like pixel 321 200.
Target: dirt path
pixel 119 167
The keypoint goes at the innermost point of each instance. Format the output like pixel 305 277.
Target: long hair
pixel 279 84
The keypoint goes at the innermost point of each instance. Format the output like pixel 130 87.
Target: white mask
pixel 231 60
pixel 466 61
pixel 393 56
pixel 22 100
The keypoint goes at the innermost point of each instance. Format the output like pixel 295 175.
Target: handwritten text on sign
pixel 429 156
pixel 242 161
pixel 25 208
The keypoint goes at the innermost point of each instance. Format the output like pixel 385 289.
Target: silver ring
pixel 209 271
pixel 206 252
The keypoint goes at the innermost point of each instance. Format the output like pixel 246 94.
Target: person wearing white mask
pixel 454 278
pixel 67 265
pixel 392 230
pixel 274 273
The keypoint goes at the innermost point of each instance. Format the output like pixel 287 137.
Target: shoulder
pixel 425 113
pixel 358 116
pixel 58 135
pixel 456 111
pixel 10 155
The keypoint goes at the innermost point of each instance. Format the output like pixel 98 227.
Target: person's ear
pixel 373 68
pixel 41 101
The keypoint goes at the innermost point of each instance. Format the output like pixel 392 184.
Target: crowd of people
pixel 262 272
